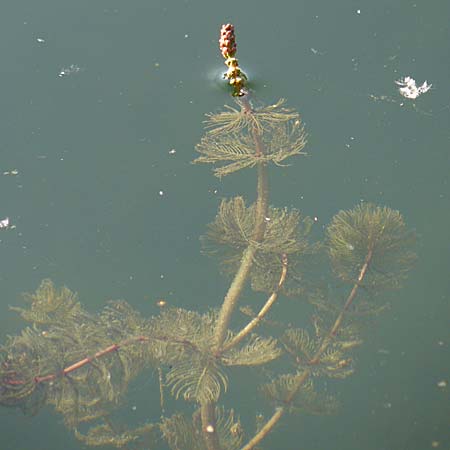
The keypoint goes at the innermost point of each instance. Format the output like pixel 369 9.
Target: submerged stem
pixel 276 416
pixel 262 313
pixel 241 277
pixel 242 274
pixel 210 435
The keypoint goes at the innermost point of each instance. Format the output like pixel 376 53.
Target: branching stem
pixel 241 277
pixel 263 311
pixel 276 416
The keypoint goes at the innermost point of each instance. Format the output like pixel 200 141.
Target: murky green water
pixel 102 105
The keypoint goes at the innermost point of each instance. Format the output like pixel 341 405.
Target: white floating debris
pixel 442 384
pixel 409 89
pixel 5 224
pixel 161 193
pixel 172 151
pixel 12 172
pixel 40 40
pixel 73 68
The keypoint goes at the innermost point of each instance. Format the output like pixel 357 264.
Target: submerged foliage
pixel 182 433
pixel 82 363
pixel 291 391
pixel 197 373
pixel 230 143
pixel 374 234
pixel 286 233
pixel 306 354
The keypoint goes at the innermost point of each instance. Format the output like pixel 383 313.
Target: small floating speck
pixel 383 351
pixel 5 224
pixel 72 69
pixel 12 172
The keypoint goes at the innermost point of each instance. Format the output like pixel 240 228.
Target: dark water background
pixel 101 206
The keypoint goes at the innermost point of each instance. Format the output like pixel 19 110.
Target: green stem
pixel 241 277
pixel 242 274
pixel 210 435
pixel 262 313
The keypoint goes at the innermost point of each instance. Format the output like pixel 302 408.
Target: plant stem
pixel 238 283
pixel 263 311
pixel 276 416
pixel 210 435
pixel 265 430
pixel 338 322
pixel 242 274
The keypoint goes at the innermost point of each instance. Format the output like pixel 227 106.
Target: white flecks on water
pixel 66 71
pixel 12 172
pixel 409 89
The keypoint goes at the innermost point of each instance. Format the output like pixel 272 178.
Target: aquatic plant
pixel 82 363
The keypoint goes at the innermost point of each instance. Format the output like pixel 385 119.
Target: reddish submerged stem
pixel 276 416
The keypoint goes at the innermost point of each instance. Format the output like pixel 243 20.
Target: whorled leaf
pixel 286 234
pixel 182 433
pixel 50 305
pixel 308 354
pixel 245 138
pixel 329 303
pixel 231 230
pixel 196 372
pixel 260 118
pixel 80 363
pixel 197 378
pixel 104 434
pixel 255 352
pixel 373 234
pixel 299 395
